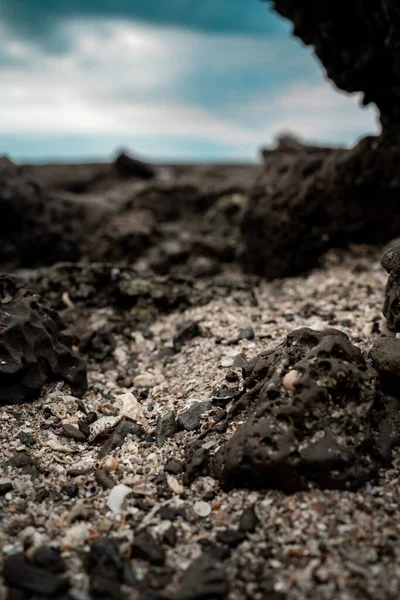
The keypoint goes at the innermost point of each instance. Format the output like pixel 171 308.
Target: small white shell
pixel 202 509
pixel 130 408
pixel 102 425
pixel 290 378
pixel 117 496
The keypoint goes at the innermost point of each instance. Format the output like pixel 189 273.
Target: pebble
pixel 118 436
pixel 227 362
pixel 27 439
pixel 146 548
pixel 248 520
pixel 230 537
pixel 174 484
pixel 49 559
pixel 5 488
pixel 202 509
pixel 175 467
pixel 204 578
pixel 186 333
pixel 144 380
pixel 166 427
pixel 73 432
pixel 19 573
pixel 117 496
pixel 104 479
pixel 191 418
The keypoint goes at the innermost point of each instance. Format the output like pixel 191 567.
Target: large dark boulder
pixel 310 199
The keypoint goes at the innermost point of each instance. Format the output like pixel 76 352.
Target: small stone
pixel 248 520
pixel 73 432
pixel 204 578
pixel 246 333
pixel 104 479
pixel 166 427
pixel 49 559
pixel 5 488
pixel 174 484
pixel 232 377
pixel 25 463
pixel 108 570
pixel 27 439
pixel 202 509
pixel 117 496
pixel 385 355
pixel 19 573
pixel 230 537
pixel 186 333
pixel 170 536
pixel 175 467
pixel 118 436
pixel 191 418
pixel 290 378
pixel 146 548
pixel 227 362
pixel 226 394
pixel 70 490
pixel 144 380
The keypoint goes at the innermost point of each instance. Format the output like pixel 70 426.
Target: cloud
pixel 139 83
pixel 40 19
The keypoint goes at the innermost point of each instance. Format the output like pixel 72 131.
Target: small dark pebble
pixel 187 332
pixel 70 490
pixel 246 333
pixel 168 513
pixel 232 377
pixel 5 488
pixel 219 414
pixel 49 559
pixel 161 478
pixel 27 439
pixel 47 413
pixel 19 573
pixel 17 594
pixel 118 436
pixel 104 479
pixel 230 537
pixel 226 394
pixel 84 428
pixel 174 467
pixel 248 520
pixel 147 548
pixel 73 432
pixel 203 579
pixel 239 361
pixel 78 472
pixel 170 536
pixel 108 570
pixel 166 427
pixel 25 462
pixel 191 418
pixel 81 405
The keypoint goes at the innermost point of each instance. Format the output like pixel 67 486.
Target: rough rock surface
pixel 32 349
pixel 357 43
pixel 310 199
pixel 314 427
pixel 391 309
pixel 37 226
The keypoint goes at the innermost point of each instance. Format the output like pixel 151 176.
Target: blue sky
pixel 167 79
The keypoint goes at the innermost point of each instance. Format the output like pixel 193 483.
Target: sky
pixel 168 80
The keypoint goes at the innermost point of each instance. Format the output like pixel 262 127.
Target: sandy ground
pixel 315 545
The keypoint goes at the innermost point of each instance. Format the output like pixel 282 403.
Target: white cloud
pixel 122 78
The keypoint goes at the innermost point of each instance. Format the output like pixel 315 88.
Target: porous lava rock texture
pixel 315 418
pixel 37 226
pixel 32 349
pixel 391 309
pixel 309 199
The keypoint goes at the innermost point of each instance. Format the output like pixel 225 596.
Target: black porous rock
pixel 357 43
pixel 128 166
pixel 248 520
pixel 32 349
pixel 49 559
pixel 204 579
pixel 19 573
pixel 166 427
pixel 308 200
pixel 385 356
pixel 313 428
pixel 108 570
pixel 37 226
pixel 390 261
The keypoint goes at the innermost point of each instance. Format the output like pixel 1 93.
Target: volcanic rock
pixel 318 433
pixel 32 349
